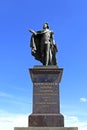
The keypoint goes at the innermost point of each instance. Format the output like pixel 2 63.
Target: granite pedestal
pixel 46 100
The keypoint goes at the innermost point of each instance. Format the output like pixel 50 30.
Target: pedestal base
pixel 46 98
pixel 46 120
pixel 46 128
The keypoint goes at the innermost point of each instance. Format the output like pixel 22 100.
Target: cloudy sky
pixel 68 20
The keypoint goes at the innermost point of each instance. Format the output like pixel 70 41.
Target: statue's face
pixel 45 26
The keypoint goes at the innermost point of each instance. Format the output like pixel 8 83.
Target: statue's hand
pixel 32 31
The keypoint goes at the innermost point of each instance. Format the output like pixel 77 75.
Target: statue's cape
pixel 35 44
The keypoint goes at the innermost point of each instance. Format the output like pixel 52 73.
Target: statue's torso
pixel 46 35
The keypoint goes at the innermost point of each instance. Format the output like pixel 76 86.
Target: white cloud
pixel 73 121
pixel 83 99
pixel 11 122
pixel 21 121
pixel 8 120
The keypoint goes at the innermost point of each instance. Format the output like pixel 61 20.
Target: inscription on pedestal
pixel 45 98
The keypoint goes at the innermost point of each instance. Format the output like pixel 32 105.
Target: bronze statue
pixel 43 46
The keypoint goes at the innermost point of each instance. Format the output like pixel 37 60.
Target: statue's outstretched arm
pixel 32 31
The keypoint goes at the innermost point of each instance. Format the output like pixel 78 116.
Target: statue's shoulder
pixel 45 31
pixel 39 32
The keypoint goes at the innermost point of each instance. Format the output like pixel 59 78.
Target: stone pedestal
pixel 46 102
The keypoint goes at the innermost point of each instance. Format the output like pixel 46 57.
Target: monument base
pixel 46 98
pixel 46 120
pixel 45 128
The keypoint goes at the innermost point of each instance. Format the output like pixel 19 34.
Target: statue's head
pixel 45 26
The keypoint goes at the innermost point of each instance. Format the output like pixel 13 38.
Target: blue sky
pixel 68 20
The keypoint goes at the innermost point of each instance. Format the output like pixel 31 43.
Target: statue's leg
pixel 47 51
pixel 42 54
pixel 50 57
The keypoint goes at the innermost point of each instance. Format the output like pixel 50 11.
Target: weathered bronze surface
pixel 43 46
